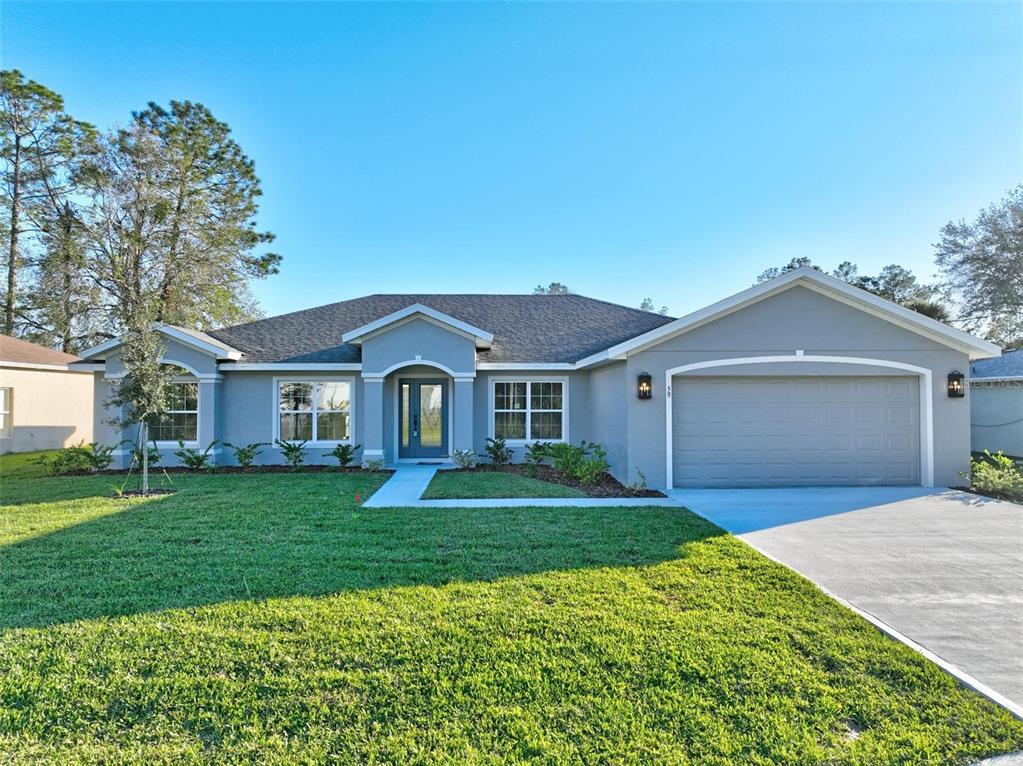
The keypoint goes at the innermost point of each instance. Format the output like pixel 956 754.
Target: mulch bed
pixel 994 495
pixel 608 486
pixel 139 493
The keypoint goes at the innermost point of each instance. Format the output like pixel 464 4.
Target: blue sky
pixel 671 150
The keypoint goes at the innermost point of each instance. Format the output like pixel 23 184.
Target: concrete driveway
pixel 944 568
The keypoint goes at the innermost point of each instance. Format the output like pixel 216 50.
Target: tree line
pixel 107 231
pixel 980 287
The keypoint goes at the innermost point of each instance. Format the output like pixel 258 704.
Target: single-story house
pixel 803 380
pixel 44 404
pixel 996 404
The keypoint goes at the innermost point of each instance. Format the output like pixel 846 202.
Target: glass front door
pixel 422 418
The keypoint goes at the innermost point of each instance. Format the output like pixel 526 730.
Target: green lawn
pixel 23 465
pixel 448 485
pixel 268 619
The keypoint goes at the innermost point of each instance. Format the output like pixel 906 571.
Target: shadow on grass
pixel 228 540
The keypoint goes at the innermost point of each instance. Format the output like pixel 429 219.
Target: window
pixel 317 411
pixel 529 410
pixel 5 411
pixel 181 420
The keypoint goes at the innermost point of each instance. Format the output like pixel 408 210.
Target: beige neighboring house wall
pixel 43 404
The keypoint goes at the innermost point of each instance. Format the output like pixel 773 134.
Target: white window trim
pixel 491 409
pixel 276 401
pixel 163 444
pixel 7 431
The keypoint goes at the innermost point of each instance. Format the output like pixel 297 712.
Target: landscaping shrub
pixel 93 457
pixel 498 451
pixel 996 474
pixel 593 467
pixel 345 453
pixel 294 452
pixel 537 452
pixel 566 457
pixel 193 458
pixel 374 465
pixel 585 462
pixel 245 455
pixel 465 458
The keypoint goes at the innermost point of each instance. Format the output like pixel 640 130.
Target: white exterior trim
pixel 410 362
pixel 276 400
pixel 484 338
pixel 527 366
pixel 491 396
pixel 290 366
pixel 821 283
pixel 47 367
pixel 926 399
pixel 219 351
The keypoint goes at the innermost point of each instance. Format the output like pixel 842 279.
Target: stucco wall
pixel 996 410
pixel 604 414
pixel 422 339
pixel 50 409
pixel 797 319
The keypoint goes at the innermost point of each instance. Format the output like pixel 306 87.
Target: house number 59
pixel 669 390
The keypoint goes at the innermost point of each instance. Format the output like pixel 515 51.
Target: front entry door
pixel 422 418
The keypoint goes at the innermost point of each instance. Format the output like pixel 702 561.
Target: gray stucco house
pixel 803 380
pixel 996 404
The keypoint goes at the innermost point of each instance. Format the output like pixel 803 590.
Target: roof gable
pixel 483 338
pixel 195 339
pixel 822 283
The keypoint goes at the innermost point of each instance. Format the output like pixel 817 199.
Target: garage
pixel 764 431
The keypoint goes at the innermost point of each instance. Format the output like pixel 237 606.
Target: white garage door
pixel 798 431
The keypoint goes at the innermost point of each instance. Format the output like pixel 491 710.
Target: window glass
pixel 181 420
pixel 542 419
pixel 5 411
pixel 315 410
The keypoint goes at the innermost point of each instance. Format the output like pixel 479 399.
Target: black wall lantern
pixel 644 386
pixel 956 385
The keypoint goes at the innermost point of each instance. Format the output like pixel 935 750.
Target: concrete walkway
pixel 408 483
pixel 942 568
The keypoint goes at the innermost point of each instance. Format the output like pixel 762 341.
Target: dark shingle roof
pixel 1008 365
pixel 22 352
pixel 526 328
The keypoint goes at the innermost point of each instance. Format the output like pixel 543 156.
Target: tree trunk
pixel 66 286
pixel 12 262
pixel 144 431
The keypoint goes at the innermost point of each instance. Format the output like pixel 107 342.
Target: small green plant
pixel 195 459
pixel 345 453
pixel 68 460
pixel 97 456
pixel 152 452
pixel 294 452
pixel 593 467
pixel 374 465
pixel 498 451
pixel 245 454
pixel 566 457
pixel 996 474
pixel 465 458
pixel 537 452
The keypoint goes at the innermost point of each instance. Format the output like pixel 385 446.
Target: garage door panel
pixel 795 431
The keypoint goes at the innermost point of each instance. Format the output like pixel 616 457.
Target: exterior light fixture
pixel 956 385
pixel 644 386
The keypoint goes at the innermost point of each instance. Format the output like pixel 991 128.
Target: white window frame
pixel 529 379
pixel 276 428
pixel 193 443
pixel 7 412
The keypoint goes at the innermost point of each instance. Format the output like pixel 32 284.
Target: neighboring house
pixel 996 404
pixel 43 403
pixel 803 380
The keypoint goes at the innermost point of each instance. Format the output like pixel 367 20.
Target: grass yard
pixel 269 619
pixel 448 485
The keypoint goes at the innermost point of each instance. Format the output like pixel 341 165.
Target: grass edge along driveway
pixel 268 618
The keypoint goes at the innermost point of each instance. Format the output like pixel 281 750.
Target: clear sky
pixel 671 150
